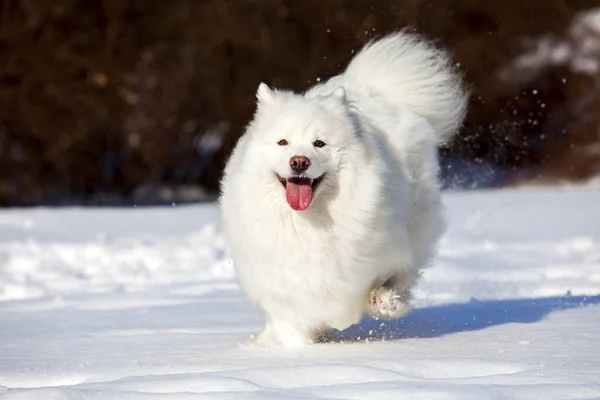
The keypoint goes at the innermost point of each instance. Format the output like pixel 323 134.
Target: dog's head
pixel 301 141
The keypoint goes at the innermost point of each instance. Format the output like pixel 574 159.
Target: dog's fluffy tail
pixel 413 74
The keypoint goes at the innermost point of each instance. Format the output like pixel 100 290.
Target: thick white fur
pixel 375 218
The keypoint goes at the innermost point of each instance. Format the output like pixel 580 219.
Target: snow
pixel 142 303
pixel 578 50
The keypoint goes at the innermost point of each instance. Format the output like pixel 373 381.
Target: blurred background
pixel 120 102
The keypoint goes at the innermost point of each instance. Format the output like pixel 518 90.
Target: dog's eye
pixel 282 142
pixel 319 143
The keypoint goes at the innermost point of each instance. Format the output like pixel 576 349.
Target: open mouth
pixel 299 180
pixel 299 190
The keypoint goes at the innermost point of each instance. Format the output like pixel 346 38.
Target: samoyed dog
pixel 330 200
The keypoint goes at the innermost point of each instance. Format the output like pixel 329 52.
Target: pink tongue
pixel 299 196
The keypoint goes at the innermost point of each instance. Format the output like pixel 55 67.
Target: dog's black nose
pixel 299 163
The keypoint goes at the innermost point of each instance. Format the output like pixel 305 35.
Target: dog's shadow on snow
pixel 431 322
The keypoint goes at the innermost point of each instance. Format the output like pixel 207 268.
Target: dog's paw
pixel 387 303
pixel 278 336
pixel 249 343
pixel 255 342
pixel 265 339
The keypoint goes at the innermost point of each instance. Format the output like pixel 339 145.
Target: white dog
pixel 330 200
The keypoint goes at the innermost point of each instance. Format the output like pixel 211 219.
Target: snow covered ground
pixel 142 304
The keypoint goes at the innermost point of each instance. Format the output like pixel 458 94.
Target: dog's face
pixel 301 142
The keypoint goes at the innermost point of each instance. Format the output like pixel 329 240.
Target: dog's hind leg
pixel 387 303
pixel 391 300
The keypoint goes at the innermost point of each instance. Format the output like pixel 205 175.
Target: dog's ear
pixel 264 94
pixel 336 99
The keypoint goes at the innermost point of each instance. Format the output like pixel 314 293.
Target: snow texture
pixel 578 50
pixel 142 304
